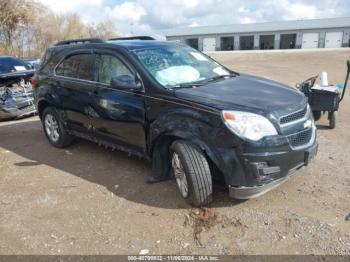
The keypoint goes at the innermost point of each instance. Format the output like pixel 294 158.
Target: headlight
pixel 248 125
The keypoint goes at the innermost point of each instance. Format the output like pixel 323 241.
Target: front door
pixel 121 113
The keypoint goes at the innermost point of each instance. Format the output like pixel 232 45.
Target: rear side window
pixel 110 66
pixel 79 66
pixel 49 61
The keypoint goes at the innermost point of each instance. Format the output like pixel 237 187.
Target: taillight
pixel 33 81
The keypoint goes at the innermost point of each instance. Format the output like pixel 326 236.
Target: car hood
pixel 246 93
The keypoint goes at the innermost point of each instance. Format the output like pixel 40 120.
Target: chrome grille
pixel 300 138
pixel 293 117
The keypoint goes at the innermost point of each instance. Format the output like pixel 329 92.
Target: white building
pixel 316 33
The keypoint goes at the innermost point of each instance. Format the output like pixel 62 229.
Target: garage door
pixel 209 44
pixel 310 40
pixel 333 39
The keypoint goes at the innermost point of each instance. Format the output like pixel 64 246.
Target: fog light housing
pixel 261 170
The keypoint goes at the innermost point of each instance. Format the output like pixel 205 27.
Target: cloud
pixel 127 11
pixel 151 17
pixel 297 11
pixel 71 5
pixel 191 3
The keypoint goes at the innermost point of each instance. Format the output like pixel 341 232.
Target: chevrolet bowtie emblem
pixel 308 124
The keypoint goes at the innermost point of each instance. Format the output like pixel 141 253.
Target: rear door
pixel 75 86
pixel 121 113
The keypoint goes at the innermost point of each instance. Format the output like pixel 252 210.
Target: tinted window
pixel 10 64
pixel 109 67
pixel 49 61
pixel 78 66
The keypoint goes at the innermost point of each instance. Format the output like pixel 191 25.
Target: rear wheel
pixel 54 129
pixel 192 173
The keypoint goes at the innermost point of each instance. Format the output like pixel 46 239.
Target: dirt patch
pixel 201 219
pixel 204 219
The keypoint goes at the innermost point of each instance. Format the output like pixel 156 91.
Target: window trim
pixel 95 52
pixel 128 65
pixel 73 53
pixel 118 56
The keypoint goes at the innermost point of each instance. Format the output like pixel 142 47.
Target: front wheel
pixel 192 173
pixel 54 129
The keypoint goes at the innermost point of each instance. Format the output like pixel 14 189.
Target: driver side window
pixel 110 66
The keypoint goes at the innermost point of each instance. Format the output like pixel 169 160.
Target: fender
pixel 179 120
pixel 186 124
pixel 46 94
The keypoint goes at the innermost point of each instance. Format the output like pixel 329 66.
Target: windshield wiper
pixel 188 85
pixel 221 77
pixel 201 82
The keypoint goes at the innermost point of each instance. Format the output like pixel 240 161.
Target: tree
pixel 28 28
pixel 104 30
pixel 14 13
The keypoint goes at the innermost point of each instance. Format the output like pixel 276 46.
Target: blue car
pixel 16 93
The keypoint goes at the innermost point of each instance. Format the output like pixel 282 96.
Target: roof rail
pixel 133 38
pixel 79 41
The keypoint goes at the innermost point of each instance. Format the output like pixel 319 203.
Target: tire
pixel 332 119
pixel 195 173
pixel 317 115
pixel 56 133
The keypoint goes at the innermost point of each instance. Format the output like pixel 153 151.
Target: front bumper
pixel 264 172
pixel 256 191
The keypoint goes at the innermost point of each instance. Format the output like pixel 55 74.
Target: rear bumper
pixel 256 191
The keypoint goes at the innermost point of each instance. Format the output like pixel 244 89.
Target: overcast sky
pixel 153 16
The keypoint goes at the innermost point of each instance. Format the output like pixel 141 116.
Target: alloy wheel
pixel 51 128
pixel 180 175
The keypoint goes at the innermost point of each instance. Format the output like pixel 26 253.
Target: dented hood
pixel 246 93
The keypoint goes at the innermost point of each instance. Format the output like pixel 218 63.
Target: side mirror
pixel 125 82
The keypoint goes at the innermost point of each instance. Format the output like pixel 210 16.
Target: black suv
pixel 196 120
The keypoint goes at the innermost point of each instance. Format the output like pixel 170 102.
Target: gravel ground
pixel 89 200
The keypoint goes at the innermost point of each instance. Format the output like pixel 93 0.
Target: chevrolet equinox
pixel 194 119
